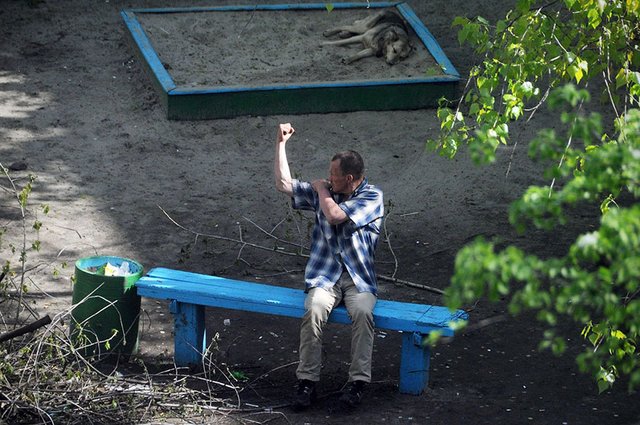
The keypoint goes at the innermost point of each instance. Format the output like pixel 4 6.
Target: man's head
pixel 346 171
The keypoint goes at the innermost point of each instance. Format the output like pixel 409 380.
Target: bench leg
pixel 190 333
pixel 414 364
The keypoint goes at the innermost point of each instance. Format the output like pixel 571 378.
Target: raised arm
pixel 281 165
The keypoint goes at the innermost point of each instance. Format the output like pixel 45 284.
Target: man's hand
pixel 320 184
pixel 285 131
pixel 332 211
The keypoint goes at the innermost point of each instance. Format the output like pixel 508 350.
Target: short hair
pixel 350 163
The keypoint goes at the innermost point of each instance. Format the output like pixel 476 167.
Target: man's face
pixel 340 183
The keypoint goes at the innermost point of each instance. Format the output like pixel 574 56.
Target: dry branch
pixel 47 381
pixel 476 326
pixel 26 329
pixel 242 242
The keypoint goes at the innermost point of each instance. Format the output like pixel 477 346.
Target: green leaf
pixel 603 386
pixel 621 78
pixel 459 21
pixel 527 88
pixel 432 338
pixel 583 65
pixel 329 6
pixel 462 35
pixel 515 112
pixel 501 26
pixel 523 6
pixel 239 375
pixel 618 334
pixel 594 17
pixel 575 72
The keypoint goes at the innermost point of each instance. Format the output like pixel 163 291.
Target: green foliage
pixel 534 49
pixel 239 375
pixel 548 53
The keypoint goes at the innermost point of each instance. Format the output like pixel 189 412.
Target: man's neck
pixel 355 185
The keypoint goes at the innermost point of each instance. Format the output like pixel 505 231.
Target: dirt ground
pixel 77 108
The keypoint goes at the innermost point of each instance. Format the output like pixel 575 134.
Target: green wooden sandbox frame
pixel 275 99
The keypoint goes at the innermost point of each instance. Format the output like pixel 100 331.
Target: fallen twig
pixel 228 239
pixel 277 239
pixel 411 284
pixel 387 238
pixel 476 326
pixel 244 243
pixel 26 329
pixel 49 382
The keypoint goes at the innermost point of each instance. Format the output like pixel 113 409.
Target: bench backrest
pixel 214 291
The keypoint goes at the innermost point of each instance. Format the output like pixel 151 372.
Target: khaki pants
pixel 318 305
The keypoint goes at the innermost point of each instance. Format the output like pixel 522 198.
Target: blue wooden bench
pixel 189 294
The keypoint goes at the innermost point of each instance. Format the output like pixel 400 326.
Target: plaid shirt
pixel 350 245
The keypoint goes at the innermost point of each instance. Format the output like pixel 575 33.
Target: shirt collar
pixel 360 186
pixel 342 197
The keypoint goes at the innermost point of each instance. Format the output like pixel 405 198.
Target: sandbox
pixel 227 61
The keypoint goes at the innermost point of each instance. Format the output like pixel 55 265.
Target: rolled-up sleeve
pixel 303 196
pixel 365 208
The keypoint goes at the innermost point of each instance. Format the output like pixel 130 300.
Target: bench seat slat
pixel 214 291
pixel 288 304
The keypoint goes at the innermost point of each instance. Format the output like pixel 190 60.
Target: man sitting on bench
pixel 348 215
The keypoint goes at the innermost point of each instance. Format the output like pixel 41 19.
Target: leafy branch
pixel 551 53
pixel 15 285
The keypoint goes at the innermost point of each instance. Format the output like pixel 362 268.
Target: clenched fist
pixel 285 131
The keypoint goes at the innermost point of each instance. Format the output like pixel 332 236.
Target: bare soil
pixel 77 108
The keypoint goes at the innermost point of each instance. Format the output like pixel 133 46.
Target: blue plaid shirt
pixel 347 246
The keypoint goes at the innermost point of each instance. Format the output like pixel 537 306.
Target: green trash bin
pixel 106 309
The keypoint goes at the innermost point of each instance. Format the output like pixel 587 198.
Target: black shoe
pixel 305 395
pixel 352 394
